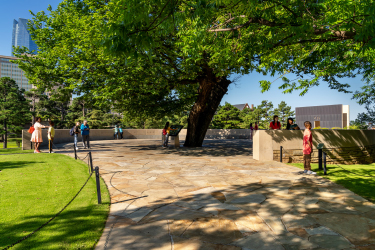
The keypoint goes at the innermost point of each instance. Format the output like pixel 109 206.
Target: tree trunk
pixel 211 91
pixel 33 117
pixel 5 135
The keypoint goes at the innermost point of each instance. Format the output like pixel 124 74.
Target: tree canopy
pixel 14 108
pixel 158 57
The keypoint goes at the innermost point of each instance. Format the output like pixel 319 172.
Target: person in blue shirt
pixel 120 130
pixel 85 132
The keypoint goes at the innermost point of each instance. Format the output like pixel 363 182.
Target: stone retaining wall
pixel 63 136
pixel 349 155
pixel 344 146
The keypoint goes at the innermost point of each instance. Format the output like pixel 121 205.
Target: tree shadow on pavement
pixel 209 148
pixel 279 214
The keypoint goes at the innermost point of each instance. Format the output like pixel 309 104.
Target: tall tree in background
pixel 14 108
pixel 264 114
pixel 156 57
pixel 42 105
pixel 227 117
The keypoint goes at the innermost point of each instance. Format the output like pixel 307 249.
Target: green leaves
pixel 14 107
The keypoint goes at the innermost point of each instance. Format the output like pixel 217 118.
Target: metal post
pixel 325 162
pixel 98 185
pixel 75 152
pixel 281 153
pixel 91 166
pixel 320 153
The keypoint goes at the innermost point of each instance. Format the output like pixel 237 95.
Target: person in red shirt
pixel 275 124
pixel 256 126
pixel 307 148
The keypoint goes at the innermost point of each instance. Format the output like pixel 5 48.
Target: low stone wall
pixel 63 136
pixel 343 146
pixel 348 155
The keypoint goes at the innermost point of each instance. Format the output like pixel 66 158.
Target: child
pixel 51 135
pixel 166 131
pixel 307 148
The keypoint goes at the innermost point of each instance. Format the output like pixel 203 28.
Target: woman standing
pixel 36 136
pixel 291 125
pixel 275 124
pixel 76 133
pixel 256 127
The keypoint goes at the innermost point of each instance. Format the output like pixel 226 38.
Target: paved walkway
pixel 218 197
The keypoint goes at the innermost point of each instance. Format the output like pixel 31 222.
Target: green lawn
pixel 363 186
pixel 34 187
pixel 12 142
pixel 14 151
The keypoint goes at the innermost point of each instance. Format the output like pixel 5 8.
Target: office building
pixel 11 70
pixel 21 36
pixel 328 116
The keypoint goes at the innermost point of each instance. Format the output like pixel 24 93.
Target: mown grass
pixel 14 151
pixel 34 187
pixel 354 180
pixel 12 142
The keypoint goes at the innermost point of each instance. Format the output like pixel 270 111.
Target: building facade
pixel 21 36
pixel 11 70
pixel 243 106
pixel 328 116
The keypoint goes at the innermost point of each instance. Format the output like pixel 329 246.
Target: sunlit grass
pixel 34 187
pixel 354 180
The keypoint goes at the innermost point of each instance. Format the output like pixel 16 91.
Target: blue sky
pixel 246 90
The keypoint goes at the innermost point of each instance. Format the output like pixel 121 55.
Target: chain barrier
pixel 46 223
pixel 83 158
pixel 371 176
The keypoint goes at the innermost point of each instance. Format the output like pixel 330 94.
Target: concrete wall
pixel 62 135
pixel 266 144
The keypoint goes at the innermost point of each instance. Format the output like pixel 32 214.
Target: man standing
pixel 121 133
pixel 85 132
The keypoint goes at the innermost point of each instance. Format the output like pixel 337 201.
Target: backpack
pixel 31 129
pixel 72 131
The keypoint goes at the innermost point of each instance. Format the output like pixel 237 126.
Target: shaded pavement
pixel 218 197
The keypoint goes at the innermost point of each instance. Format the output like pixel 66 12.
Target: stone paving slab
pixel 218 197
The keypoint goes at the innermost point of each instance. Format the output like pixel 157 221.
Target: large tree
pixel 14 108
pixel 155 57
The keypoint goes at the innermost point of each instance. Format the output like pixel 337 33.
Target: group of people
pixel 36 135
pixel 307 139
pixel 84 129
pixel 275 124
pixel 118 131
pixel 166 132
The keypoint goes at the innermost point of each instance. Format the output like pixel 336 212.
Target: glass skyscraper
pixel 21 36
pixel 11 70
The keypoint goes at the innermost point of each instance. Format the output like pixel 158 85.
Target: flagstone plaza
pixel 218 197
